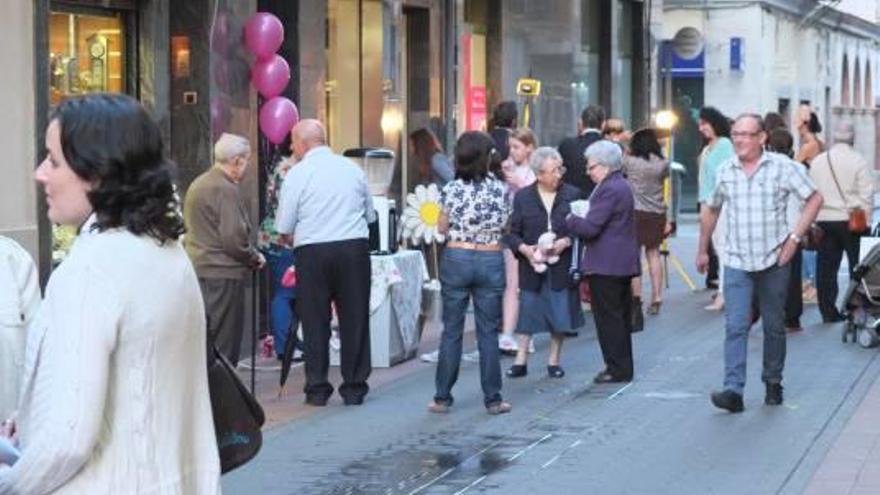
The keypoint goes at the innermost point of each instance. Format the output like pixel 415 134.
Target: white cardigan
pixel 115 392
pixel 19 301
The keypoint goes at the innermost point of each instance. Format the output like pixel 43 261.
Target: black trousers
pixel 224 315
pixel 612 310
pixel 335 272
pixel 837 240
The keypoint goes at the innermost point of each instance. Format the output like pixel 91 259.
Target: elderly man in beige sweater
pixel 846 182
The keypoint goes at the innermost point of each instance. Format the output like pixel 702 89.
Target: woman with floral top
pixel 278 249
pixel 475 211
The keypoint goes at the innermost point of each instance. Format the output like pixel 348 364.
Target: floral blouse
pixel 268 236
pixel 477 211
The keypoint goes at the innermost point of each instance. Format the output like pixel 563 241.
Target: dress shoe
pixel 773 396
pixel 353 401
pixel 833 318
pixel 316 401
pixel 606 377
pixel 728 400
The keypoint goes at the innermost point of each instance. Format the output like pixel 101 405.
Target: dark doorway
pixel 418 84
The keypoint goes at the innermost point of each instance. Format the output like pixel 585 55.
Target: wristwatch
pixel 796 238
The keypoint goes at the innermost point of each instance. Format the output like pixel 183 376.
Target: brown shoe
pixel 499 408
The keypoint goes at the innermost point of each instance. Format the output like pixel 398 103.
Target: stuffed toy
pixel 544 254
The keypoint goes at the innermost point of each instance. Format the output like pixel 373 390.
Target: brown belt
pixel 473 246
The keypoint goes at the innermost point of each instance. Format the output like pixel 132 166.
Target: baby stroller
pixel 861 302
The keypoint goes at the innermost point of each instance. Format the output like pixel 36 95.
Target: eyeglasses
pixel 743 134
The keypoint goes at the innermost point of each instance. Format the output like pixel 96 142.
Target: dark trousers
pixel 714 266
pixel 837 240
pixel 612 309
pixel 224 312
pixel 335 272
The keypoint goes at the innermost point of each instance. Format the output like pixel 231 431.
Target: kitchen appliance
pixel 379 164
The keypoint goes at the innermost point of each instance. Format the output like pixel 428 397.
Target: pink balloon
pixel 263 34
pixel 271 76
pixel 277 118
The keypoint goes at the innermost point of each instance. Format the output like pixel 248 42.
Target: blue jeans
pixel 466 274
pixel 770 286
pixel 809 267
pixel 283 317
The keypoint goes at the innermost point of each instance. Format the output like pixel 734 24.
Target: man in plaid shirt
pixel 754 188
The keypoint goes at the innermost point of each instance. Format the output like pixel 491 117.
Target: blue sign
pixel 737 54
pixel 681 67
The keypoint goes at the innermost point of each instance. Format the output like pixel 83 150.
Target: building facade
pixel 763 56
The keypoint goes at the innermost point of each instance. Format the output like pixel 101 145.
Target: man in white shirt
pixel 325 203
pixel 843 177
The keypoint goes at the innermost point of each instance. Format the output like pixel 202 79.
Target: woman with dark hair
pixel 433 165
pixel 715 128
pixel 475 212
pixel 808 128
pixel 115 393
pixel 773 120
pixel 646 169
pixel 503 123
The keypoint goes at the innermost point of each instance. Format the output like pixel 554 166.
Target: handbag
pixel 813 237
pixel 238 416
pixel 858 219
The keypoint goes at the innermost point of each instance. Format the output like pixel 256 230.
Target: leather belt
pixel 473 246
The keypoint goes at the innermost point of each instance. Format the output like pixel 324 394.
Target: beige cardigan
pixel 19 301
pixel 115 392
pixel 855 178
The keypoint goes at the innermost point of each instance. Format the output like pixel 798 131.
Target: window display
pixel 86 55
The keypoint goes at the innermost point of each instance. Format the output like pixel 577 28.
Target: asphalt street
pixel 657 435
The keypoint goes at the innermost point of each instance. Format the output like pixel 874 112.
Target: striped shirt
pixel 755 208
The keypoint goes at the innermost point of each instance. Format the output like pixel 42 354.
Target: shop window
pixel 87 54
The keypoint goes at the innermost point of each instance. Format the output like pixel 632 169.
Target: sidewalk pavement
pixel 852 465
pixel 281 409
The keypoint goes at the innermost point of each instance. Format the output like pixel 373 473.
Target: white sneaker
pixel 430 357
pixel 507 343
pixel 472 357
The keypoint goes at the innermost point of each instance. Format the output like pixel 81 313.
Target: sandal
pixel 438 407
pixel 499 408
pixel 517 371
pixel 654 308
pixel 555 371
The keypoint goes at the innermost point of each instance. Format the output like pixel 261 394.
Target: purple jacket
pixel 608 232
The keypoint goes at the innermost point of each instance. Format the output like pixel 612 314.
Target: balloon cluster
pixel 270 74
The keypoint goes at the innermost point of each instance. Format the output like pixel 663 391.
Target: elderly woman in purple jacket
pixel 611 258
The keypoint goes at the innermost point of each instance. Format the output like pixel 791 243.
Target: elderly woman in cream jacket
pixel 19 300
pixel 115 392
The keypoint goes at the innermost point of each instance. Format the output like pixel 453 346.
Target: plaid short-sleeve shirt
pixel 755 208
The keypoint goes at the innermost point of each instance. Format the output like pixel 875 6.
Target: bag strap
pixel 834 176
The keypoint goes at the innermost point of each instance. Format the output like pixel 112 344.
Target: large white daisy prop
pixel 421 215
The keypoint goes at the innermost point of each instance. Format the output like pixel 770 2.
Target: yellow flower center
pixel 429 212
